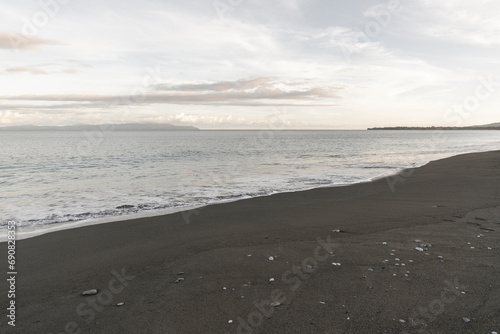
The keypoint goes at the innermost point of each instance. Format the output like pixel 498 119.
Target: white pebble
pixel 229 321
pixel 270 258
pixel 271 279
pixel 420 249
pixel 384 243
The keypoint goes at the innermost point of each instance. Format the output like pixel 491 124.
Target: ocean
pixel 64 177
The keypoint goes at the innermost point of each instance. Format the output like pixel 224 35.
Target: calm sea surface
pixel 60 177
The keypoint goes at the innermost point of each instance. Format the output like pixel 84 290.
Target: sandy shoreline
pixel 447 203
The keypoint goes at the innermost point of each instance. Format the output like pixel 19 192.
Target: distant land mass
pixel 102 127
pixel 492 126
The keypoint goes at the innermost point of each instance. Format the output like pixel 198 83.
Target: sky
pixel 250 64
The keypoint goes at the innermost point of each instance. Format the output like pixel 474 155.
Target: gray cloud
pixel 11 40
pixel 247 92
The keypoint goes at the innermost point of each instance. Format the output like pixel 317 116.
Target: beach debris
pixel 275 304
pixel 336 231
pixel 180 279
pixel 465 319
pixel 90 292
pixel 270 258
pixel 230 321
pixel 120 304
pixel 335 263
pixel 180 273
pixel 420 249
pixel 271 279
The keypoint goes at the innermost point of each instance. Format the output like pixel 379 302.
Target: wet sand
pixel 337 260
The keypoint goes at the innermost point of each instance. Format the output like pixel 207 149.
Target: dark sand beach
pixel 338 260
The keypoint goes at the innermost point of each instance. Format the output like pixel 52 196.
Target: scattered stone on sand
pixel 420 249
pixel 473 247
pixel 120 304
pixel 489 248
pixel 418 241
pixel 335 263
pixel 396 259
pixel 224 288
pixel 370 269
pixel 402 321
pixel 384 243
pixel 249 255
pixel 336 231
pixel 465 319
pixel 440 257
pixel 275 304
pixel 411 261
pixel 270 258
pixel 230 321
pixel 322 303
pixel 180 279
pixel 89 292
pixel 271 279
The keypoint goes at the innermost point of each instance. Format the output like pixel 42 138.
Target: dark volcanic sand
pixel 447 204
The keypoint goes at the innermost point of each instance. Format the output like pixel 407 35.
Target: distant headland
pixel 103 127
pixel 492 126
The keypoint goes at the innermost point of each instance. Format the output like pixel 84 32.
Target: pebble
pixel 271 279
pixel 402 264
pixel 180 273
pixel 336 231
pixel 229 321
pixel 465 319
pixel 120 304
pixel 480 235
pixel 384 243
pixel 322 303
pixel 249 255
pixel 493 332
pixel 335 263
pixel 411 261
pixel 180 279
pixel 440 257
pixel 275 304
pixel 392 254
pixel 489 248
pixel 418 241
pixel 473 248
pixel 420 249
pixel 224 288
pixel 402 321
pixel 89 292
pixel 270 258
pixel 396 259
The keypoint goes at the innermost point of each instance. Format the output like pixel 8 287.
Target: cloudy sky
pixel 311 64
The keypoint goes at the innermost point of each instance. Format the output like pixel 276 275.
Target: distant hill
pixel 492 126
pixel 102 127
